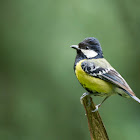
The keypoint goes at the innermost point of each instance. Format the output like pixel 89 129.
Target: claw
pixel 81 98
pixel 97 107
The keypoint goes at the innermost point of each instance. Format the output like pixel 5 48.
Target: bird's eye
pixel 87 47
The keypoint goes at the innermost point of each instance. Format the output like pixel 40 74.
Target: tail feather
pixel 136 99
pixel 132 96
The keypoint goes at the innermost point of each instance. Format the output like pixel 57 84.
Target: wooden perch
pixel 95 124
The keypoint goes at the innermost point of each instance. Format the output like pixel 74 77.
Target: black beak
pixel 75 47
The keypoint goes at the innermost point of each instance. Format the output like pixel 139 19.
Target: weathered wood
pixel 95 124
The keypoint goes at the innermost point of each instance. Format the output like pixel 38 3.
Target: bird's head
pixel 89 48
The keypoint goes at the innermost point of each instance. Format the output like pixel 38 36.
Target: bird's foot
pixel 97 107
pixel 84 95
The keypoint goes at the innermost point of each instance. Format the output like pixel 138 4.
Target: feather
pixel 101 69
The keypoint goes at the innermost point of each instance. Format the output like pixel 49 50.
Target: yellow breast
pixel 92 83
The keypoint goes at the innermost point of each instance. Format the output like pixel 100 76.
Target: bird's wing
pixel 103 70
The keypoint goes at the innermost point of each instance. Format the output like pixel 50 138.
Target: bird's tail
pixel 136 99
pixel 132 96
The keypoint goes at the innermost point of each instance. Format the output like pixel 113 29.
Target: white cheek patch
pixel 89 53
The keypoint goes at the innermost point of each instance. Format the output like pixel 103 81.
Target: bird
pixel 96 74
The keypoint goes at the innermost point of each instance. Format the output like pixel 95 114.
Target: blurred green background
pixel 39 93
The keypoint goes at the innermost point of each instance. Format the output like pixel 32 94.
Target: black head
pixel 89 48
